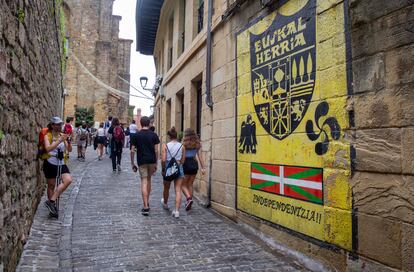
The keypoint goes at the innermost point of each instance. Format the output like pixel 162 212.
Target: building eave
pixel 147 18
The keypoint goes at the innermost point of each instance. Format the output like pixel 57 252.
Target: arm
pixel 182 154
pixel 163 156
pixel 132 154
pixel 50 146
pixel 201 160
pixel 156 147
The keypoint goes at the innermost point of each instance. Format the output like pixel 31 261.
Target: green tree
pixel 84 115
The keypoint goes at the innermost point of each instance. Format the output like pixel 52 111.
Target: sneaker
pixel 145 212
pixel 176 214
pixel 188 204
pixel 165 206
pixel 118 167
pixel 51 206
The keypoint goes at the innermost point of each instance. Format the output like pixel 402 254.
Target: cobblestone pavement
pixel 100 228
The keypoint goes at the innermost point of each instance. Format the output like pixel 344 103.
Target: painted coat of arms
pixel 283 63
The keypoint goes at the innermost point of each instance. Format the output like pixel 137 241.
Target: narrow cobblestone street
pixel 100 228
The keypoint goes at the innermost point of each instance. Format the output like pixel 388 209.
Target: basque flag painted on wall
pixel 302 183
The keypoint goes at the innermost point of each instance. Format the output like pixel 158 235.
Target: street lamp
pixel 143 80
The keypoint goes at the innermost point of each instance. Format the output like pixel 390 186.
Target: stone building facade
pixel 308 129
pixel 30 93
pixel 92 39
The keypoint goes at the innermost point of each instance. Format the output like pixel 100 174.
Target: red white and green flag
pixel 297 182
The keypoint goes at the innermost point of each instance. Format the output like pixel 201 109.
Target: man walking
pixel 107 126
pixel 145 144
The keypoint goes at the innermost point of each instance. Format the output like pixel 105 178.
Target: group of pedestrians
pixel 185 156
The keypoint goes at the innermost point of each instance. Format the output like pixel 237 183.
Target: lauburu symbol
pixel 322 147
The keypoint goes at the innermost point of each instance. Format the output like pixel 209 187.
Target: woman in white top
pixel 56 144
pixel 101 139
pixel 177 150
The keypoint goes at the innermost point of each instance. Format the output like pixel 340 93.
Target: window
pixel 168 114
pixel 162 58
pixel 170 55
pixel 199 86
pixel 182 18
pixel 170 42
pixel 200 18
pixel 179 107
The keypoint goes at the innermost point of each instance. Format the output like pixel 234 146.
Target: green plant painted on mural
pixel 20 15
pixel 1 135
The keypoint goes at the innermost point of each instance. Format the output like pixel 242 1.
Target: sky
pixel 141 65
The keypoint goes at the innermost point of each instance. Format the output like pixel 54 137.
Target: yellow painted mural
pixel 293 162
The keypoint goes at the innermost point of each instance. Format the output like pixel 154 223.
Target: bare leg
pixel 50 188
pixel 177 186
pixel 185 186
pixel 100 148
pixel 145 191
pixel 66 181
pixel 149 188
pixel 189 185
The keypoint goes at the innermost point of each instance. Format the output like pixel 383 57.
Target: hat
pixel 56 120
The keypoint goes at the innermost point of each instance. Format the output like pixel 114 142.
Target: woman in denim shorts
pixel 176 150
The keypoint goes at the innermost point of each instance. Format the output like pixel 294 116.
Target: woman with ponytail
pixel 176 150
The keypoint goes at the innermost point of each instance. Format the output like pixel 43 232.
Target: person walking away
pixel 82 136
pixel 101 140
pixel 56 143
pixel 107 126
pixel 117 144
pixel 176 150
pixel 133 127
pixel 193 153
pixel 145 144
pixel 127 133
pixel 68 129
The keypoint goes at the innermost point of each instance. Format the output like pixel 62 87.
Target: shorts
pixel 81 143
pixel 51 170
pixel 147 170
pixel 101 140
pixel 190 166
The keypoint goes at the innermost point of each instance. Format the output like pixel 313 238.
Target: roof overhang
pixel 147 16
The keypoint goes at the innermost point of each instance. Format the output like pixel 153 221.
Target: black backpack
pixel 172 170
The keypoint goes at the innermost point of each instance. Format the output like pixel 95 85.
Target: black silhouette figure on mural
pixel 247 141
pixel 322 147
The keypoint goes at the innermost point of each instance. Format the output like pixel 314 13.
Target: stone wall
pixel 364 72
pixel 30 93
pixel 93 39
pixel 383 130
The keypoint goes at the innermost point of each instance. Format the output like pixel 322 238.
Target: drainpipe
pixel 209 100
